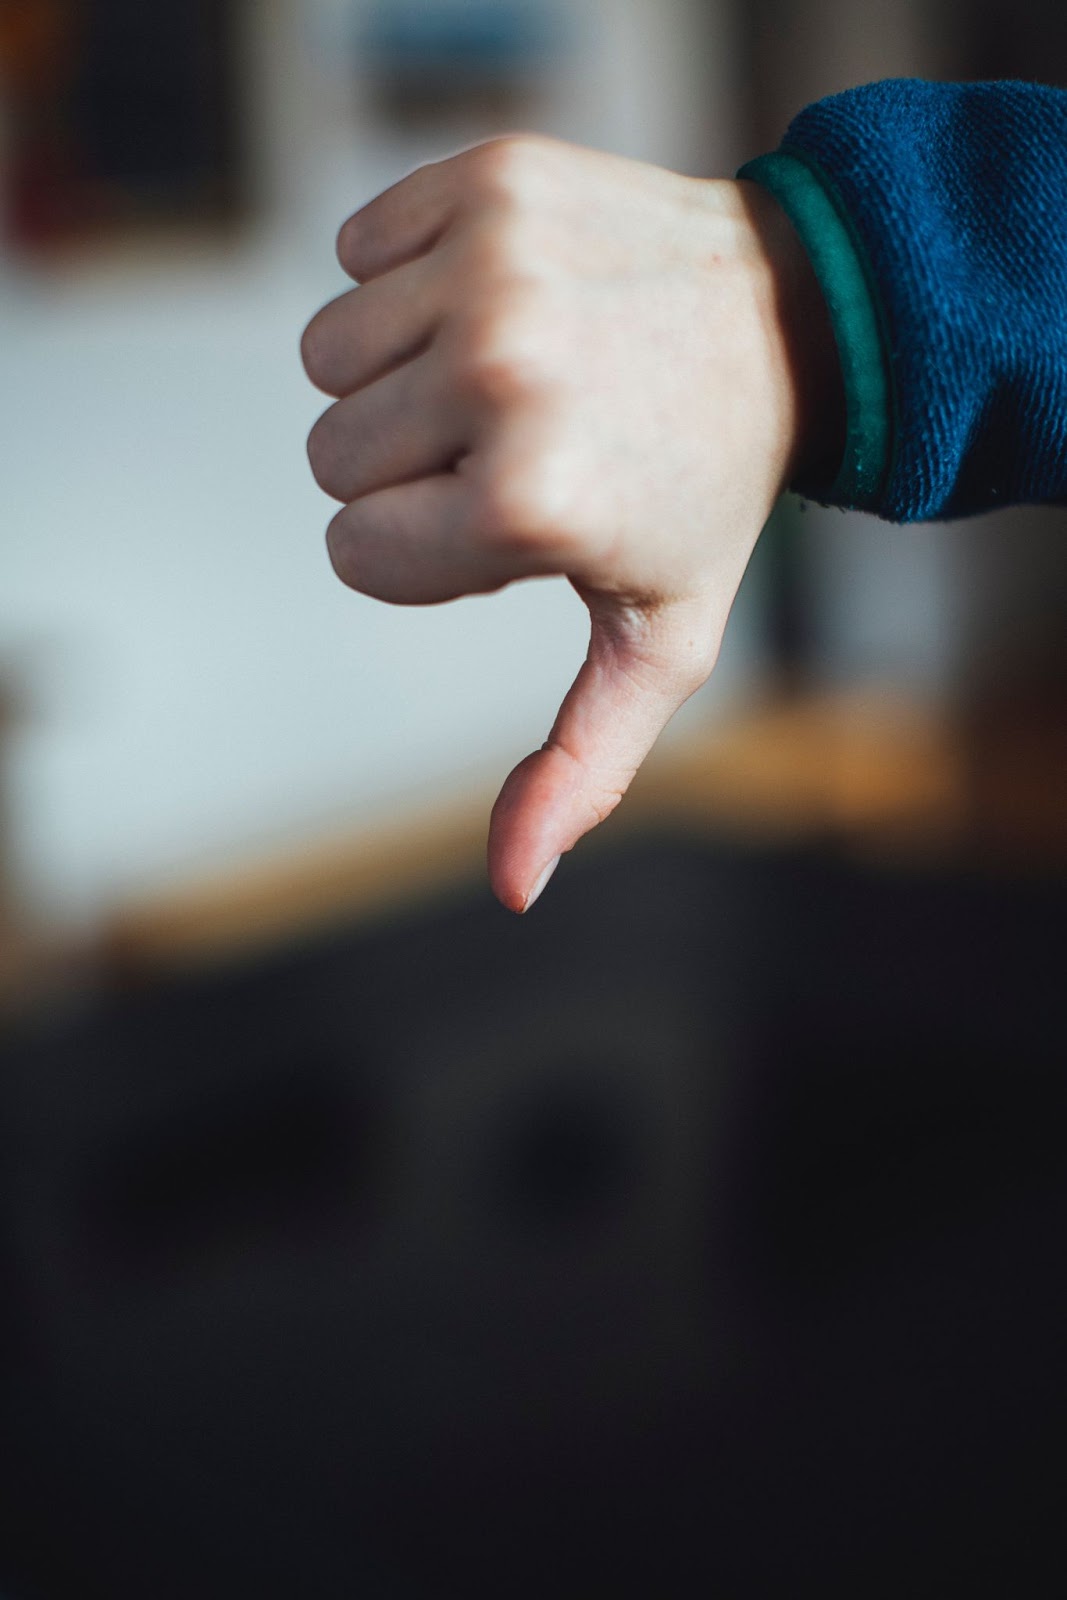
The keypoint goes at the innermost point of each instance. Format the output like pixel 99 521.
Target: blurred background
pixel 703 1228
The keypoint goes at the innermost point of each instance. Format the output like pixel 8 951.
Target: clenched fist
pixel 563 362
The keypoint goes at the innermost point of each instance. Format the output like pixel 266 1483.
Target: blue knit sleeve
pixel 947 203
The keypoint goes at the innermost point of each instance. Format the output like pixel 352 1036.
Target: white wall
pixel 198 685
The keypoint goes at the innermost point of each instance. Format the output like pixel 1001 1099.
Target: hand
pixel 563 362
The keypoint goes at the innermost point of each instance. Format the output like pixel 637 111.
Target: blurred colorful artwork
pixel 431 58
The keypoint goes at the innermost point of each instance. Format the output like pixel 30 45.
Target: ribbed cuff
pixel 807 198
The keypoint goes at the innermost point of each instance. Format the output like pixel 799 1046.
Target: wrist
pixel 808 345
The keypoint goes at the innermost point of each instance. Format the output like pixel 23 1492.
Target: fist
pixel 562 362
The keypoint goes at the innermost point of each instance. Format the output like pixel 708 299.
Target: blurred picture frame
pixel 118 116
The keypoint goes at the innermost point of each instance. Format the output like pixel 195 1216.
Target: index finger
pixel 401 224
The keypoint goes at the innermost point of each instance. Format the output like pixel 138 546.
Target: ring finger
pixel 405 426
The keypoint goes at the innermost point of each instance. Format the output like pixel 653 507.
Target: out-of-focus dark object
pixel 700 1234
pixel 8 923
pixel 431 59
pixel 17 956
pixel 1005 39
pixel 120 113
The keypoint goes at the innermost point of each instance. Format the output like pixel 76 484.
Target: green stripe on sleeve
pixel 839 264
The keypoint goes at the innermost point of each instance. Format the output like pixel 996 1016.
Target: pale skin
pixel 561 362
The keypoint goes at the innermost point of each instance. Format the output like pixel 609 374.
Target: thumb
pixel 643 663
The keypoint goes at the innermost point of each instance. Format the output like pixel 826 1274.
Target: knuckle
pixel 696 662
pixel 603 800
pixel 498 378
pixel 502 357
pixel 688 678
pixel 486 262
pixel 507 516
pixel 684 663
pixel 491 253
pixel 510 166
pixel 517 519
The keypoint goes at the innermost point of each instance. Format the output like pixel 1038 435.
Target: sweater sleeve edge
pixel 808 199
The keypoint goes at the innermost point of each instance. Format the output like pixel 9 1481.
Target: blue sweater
pixel 935 216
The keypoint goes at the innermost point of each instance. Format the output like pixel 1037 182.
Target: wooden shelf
pixel 873 771
pixel 868 766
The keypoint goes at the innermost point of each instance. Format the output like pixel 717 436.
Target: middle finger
pixel 363 334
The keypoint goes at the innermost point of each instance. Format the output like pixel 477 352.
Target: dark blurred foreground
pixel 702 1233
